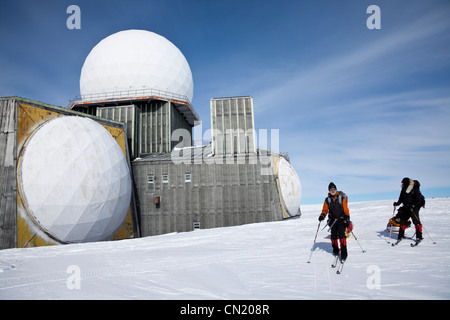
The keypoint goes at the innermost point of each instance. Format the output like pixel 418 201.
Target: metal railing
pixel 128 94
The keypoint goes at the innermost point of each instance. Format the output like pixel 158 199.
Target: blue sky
pixel 363 108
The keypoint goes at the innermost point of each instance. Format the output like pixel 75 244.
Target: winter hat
pixel 405 182
pixel 331 185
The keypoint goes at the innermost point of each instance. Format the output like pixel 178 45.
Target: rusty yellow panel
pixel 126 231
pixel 119 136
pixel 29 118
pixel 29 235
pixel 275 161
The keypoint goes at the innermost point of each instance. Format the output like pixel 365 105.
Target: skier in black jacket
pixel 411 200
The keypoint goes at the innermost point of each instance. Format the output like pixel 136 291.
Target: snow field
pixel 256 261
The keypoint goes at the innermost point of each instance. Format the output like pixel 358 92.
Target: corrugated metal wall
pixel 158 120
pixel 232 125
pixel 155 127
pixel 8 201
pixel 218 195
pixel 150 124
pixel 128 114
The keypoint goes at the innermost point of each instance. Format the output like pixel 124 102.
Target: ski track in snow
pixel 256 261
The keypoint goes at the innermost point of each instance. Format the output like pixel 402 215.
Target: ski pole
pixel 423 227
pixel 358 242
pixel 332 225
pixel 309 261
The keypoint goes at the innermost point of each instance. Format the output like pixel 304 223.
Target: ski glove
pixel 321 217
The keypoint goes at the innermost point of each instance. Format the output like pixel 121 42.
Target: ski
pixel 416 243
pixel 335 261
pixel 396 243
pixel 341 266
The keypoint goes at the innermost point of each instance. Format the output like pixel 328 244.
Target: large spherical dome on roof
pixel 136 63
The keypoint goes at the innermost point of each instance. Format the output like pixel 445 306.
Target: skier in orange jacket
pixel 335 205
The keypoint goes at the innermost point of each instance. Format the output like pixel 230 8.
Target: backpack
pixel 341 196
pixel 422 198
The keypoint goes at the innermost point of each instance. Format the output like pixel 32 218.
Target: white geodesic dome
pixel 75 180
pixel 135 63
pixel 290 186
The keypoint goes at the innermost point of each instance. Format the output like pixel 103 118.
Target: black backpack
pixel 341 197
pixel 422 198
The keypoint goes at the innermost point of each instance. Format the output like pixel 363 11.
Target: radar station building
pixel 181 187
pixel 119 162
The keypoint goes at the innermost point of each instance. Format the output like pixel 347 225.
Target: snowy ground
pixel 257 261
